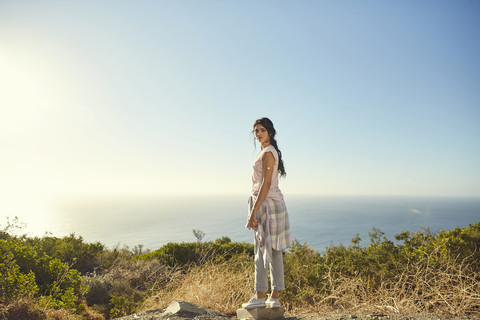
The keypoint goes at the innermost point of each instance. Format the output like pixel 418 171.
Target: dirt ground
pixel 377 316
pixel 160 315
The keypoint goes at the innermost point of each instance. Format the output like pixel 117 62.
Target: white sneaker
pixel 272 302
pixel 254 302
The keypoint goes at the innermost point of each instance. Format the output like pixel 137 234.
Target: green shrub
pixel 99 290
pixel 71 249
pixel 459 243
pixel 180 254
pixel 25 272
pixel 303 273
pixel 13 283
pixel 121 306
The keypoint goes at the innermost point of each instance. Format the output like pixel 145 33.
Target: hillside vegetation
pixel 67 278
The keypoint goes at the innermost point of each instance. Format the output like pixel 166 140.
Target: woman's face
pixel 261 134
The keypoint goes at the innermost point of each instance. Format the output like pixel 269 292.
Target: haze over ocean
pixel 318 221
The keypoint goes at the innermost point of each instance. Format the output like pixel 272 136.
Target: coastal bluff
pixel 182 310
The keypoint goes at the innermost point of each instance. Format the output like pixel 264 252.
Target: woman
pixel 268 217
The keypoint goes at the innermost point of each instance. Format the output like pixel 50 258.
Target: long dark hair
pixel 268 125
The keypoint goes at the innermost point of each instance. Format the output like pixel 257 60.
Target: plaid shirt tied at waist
pixel 273 230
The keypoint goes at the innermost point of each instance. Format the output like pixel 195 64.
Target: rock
pixel 186 308
pixel 177 307
pixel 260 314
pixel 177 310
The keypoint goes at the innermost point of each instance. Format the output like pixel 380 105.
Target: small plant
pixel 121 306
pixel 199 234
pixel 11 227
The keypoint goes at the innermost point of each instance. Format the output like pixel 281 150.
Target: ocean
pixel 318 221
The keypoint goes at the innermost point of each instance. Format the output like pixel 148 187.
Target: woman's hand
pixel 252 220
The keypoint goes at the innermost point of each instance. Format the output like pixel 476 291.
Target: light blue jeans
pixel 276 270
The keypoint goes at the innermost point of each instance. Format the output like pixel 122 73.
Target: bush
pixel 24 272
pixel 14 283
pixel 122 306
pixel 22 309
pixel 303 277
pixel 175 254
pixel 462 243
pixel 72 250
pixel 126 284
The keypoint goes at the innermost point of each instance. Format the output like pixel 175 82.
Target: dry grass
pixel 23 308
pixel 218 286
pixel 27 308
pixel 128 278
pixel 450 288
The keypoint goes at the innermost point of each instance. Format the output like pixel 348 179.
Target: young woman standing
pixel 268 217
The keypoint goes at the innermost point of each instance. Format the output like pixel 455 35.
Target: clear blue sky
pixel 153 97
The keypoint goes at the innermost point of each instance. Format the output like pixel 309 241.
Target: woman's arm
pixel 268 165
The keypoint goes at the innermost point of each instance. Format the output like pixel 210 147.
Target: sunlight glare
pixel 25 100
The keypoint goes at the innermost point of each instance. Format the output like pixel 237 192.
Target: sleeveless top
pixel 257 175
